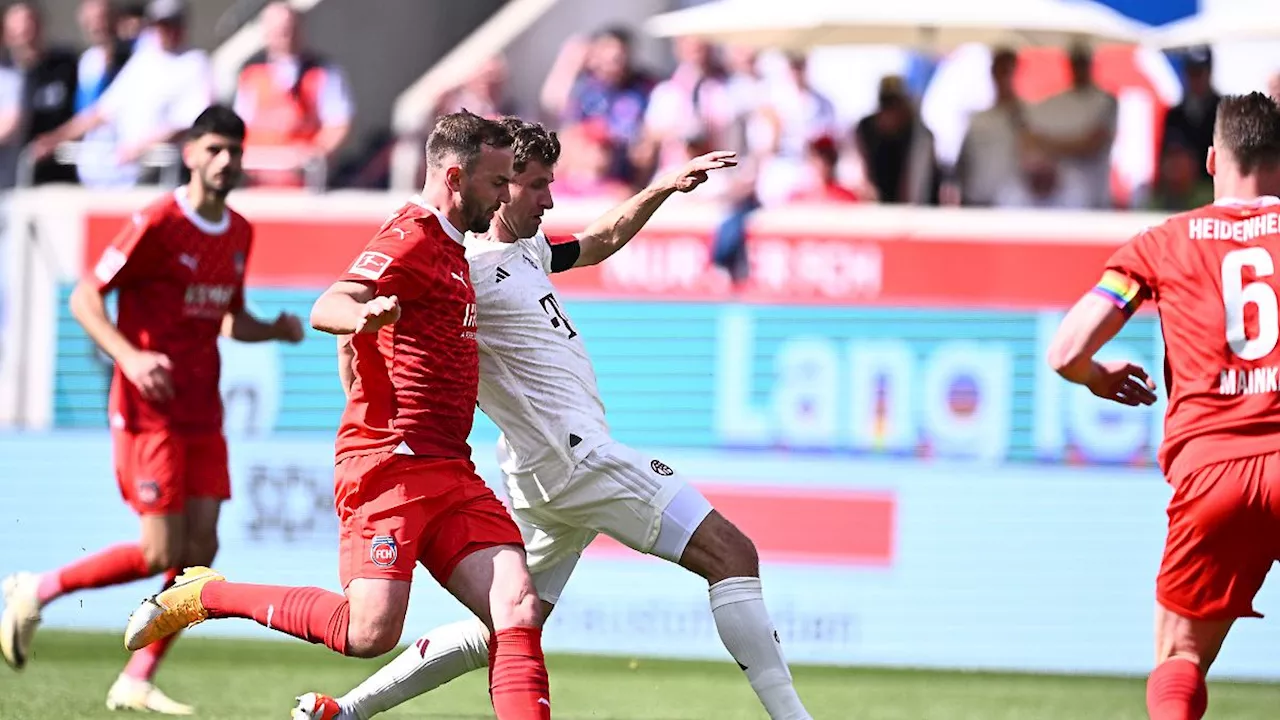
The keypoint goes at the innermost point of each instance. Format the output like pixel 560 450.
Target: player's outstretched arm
pixel 1089 325
pixel 613 230
pixel 350 307
pixel 243 326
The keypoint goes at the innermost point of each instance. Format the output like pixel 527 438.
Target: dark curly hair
pixel 531 142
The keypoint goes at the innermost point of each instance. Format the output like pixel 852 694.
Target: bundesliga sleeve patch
pixel 370 265
pixel 110 264
pixel 1123 291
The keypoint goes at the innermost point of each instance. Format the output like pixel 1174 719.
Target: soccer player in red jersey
pixel 406 490
pixel 179 269
pixel 1212 275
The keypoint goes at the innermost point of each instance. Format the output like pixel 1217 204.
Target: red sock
pixel 114 566
pixel 518 675
pixel 144 663
pixel 1176 691
pixel 311 614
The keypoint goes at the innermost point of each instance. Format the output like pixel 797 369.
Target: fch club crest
pixel 383 551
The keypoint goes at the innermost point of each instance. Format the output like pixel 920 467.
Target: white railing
pixel 167 159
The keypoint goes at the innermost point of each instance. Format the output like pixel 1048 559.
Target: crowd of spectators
pixel 103 117
pixel 137 83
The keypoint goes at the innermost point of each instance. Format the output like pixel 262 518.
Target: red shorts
pixel 398 510
pixel 158 470
pixel 1224 535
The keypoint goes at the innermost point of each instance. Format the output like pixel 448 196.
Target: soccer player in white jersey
pixel 568 479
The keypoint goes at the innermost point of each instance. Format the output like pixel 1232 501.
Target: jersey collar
pixel 1264 201
pixel 449 229
pixel 204 226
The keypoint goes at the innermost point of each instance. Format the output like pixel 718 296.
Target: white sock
pixel 737 604
pixel 436 658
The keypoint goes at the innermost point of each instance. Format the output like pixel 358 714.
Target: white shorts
pixel 633 498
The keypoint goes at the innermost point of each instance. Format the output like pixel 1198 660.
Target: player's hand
pixel 288 328
pixel 694 172
pixel 1122 382
pixel 378 313
pixel 150 373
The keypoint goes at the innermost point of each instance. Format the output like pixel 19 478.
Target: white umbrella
pixel 1214 27
pixel 929 24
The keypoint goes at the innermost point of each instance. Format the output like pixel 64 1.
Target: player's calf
pixel 720 552
pixel 1185 648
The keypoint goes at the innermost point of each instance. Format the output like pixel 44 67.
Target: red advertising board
pixel 786 268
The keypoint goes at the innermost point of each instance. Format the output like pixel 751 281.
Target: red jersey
pixel 177 275
pixel 415 380
pixel 1212 273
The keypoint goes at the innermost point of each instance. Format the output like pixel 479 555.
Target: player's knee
pixel 517 606
pixel 370 640
pixel 161 556
pixel 719 550
pixel 738 553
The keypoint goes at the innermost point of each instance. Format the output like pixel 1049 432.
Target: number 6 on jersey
pixel 1236 294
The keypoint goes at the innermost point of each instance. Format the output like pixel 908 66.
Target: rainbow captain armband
pixel 1123 291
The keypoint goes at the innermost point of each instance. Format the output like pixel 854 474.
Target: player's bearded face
pixel 485 188
pixel 217 160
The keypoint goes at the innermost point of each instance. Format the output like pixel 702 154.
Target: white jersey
pixel 536 380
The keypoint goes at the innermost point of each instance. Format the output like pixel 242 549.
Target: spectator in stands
pixel 823 156
pixel 1189 124
pixel 1040 184
pixel 10 126
pixel 1179 185
pixel 691 107
pixel 156 96
pixel 752 136
pixel 484 93
pixel 106 55
pixel 48 83
pixel 131 20
pixel 585 157
pixel 794 115
pixel 989 154
pixel 1273 85
pixel 295 104
pixel 1076 128
pixel 897 149
pixel 596 81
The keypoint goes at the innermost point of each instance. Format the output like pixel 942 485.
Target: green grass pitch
pixel 243 680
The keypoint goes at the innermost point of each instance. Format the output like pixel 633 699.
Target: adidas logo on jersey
pixel 502 275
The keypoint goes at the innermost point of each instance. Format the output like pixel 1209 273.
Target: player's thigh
pixel 1189 638
pixel 494 583
pixel 552 548
pixel 207 467
pixel 463 518
pixel 151 471
pixel 1214 560
pixel 381 521
pixel 635 499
